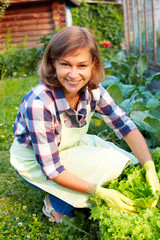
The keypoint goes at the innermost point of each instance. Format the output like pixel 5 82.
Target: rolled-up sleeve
pixel 41 124
pixel 113 115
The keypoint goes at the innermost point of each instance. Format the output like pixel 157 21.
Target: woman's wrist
pixel 92 189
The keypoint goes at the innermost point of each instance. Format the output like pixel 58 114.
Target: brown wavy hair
pixel 65 42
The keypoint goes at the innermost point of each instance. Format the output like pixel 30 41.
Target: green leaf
pixel 155 112
pixel 120 56
pixel 97 125
pixel 115 64
pixel 132 78
pixel 107 64
pixel 138 106
pixel 70 225
pixel 142 64
pixel 125 68
pixel 153 122
pixel 153 77
pixel 130 102
pixel 104 134
pixel 145 121
pixel 152 102
pixel 124 104
pixel 127 89
pixel 112 78
pixel 115 92
pixel 109 80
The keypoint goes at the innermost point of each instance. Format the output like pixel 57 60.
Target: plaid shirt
pixel 38 124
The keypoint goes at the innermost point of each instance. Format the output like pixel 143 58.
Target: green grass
pixel 20 205
pixel 11 94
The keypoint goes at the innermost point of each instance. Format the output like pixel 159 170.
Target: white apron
pixel 87 156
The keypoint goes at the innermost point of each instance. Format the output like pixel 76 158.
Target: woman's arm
pixel 71 181
pixel 138 145
pixel 113 198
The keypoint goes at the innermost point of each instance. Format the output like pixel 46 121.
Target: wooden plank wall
pixel 33 20
pixel 59 13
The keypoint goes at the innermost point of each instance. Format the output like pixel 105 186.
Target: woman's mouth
pixel 72 82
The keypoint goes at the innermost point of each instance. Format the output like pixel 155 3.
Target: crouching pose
pixel 52 150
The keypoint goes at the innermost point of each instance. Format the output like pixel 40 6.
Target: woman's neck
pixel 73 100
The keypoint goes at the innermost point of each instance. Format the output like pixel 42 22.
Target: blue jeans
pixel 58 204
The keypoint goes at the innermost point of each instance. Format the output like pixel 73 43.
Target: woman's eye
pixel 65 64
pixel 82 66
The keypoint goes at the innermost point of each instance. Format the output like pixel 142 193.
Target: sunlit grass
pixel 11 94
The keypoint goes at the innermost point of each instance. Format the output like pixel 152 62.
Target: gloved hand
pixel 115 199
pixel 152 178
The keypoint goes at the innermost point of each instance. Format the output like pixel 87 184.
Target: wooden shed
pixel 33 19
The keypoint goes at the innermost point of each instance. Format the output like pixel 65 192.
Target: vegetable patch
pixel 143 224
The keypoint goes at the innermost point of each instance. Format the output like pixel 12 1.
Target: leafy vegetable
pixel 129 226
pixel 119 225
pixel 155 153
pixel 141 105
pixel 133 185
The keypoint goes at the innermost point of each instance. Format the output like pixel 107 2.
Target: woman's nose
pixel 73 73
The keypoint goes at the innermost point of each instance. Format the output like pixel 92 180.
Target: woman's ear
pixel 53 62
pixel 94 61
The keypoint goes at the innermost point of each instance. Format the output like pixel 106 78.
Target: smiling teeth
pixel 72 82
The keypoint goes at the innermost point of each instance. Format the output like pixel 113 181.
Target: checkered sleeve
pixel 113 115
pixel 41 124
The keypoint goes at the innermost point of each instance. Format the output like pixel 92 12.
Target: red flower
pixel 106 44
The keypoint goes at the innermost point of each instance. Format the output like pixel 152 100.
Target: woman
pixel 52 150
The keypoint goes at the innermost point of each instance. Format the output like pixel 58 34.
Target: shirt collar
pixel 61 102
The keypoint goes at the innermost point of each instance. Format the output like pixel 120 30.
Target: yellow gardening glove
pixel 115 199
pixel 152 178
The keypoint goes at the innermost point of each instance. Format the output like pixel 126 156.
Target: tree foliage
pixel 3 5
pixel 105 21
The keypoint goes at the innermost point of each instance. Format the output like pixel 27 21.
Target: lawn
pixel 20 205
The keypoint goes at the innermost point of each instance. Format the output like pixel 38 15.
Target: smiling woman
pixel 52 150
pixel 73 73
pixel 67 44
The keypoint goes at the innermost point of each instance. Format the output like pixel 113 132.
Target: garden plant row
pixel 129 83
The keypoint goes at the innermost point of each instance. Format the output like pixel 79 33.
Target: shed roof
pixel 75 2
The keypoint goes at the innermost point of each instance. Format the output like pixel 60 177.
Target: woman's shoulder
pixel 98 92
pixel 38 95
pixel 100 96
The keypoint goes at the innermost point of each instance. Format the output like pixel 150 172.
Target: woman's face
pixel 74 71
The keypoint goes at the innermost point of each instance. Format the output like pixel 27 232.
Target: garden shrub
pixel 16 62
pixel 105 21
